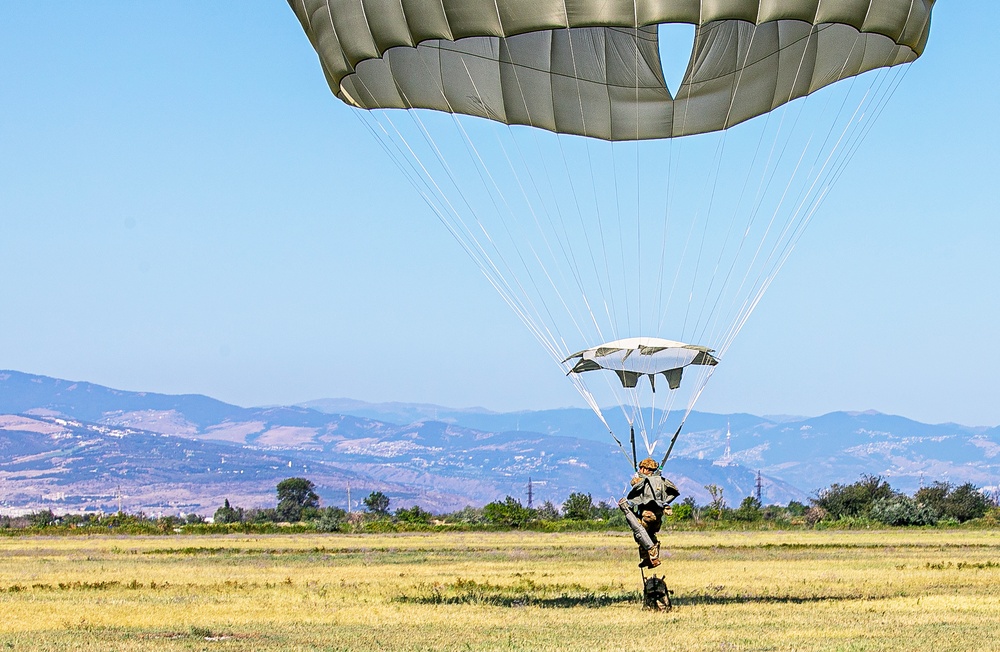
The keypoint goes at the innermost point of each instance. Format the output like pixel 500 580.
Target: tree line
pixel 869 501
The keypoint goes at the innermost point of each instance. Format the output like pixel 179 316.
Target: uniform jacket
pixel 652 489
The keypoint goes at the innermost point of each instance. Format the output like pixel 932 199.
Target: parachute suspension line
pixel 842 165
pixel 611 311
pixel 589 398
pixel 483 167
pixel 808 216
pixel 563 245
pixel 555 286
pixel 899 73
pixel 836 162
pixel 720 154
pixel 667 198
pixel 526 306
pixel 731 319
pixel 469 242
pixel 687 242
pixel 763 185
pixel 732 224
pixel 638 175
pixel 621 244
pixel 715 185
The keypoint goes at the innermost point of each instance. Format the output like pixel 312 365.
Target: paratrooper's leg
pixel 651 521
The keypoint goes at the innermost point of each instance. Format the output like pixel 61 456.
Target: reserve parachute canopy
pixel 592 67
pixel 642 356
pixel 621 170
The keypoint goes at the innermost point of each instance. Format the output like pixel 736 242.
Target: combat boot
pixel 644 561
pixel 653 555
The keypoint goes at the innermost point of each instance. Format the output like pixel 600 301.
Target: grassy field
pixel 830 590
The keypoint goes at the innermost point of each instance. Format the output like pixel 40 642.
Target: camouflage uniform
pixel 650 496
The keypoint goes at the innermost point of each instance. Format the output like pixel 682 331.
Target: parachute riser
pixel 673 440
pixel 635 461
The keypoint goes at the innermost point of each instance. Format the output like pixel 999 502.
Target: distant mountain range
pixel 73 446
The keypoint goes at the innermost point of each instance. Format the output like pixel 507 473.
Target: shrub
pixel 331 519
pixel 748 511
pixel 902 510
pixel 413 515
pixel 606 511
pixel 468 514
pixel 509 513
pixel 579 507
pixel 682 512
pixel 795 508
pixel 548 512
pixel 814 515
pixel 855 499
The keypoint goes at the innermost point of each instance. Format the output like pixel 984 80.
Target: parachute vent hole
pixel 676 47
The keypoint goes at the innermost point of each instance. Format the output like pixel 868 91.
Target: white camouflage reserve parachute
pixel 621 171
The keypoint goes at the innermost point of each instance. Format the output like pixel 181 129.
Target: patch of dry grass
pixel 873 590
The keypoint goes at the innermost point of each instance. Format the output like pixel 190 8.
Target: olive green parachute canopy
pixel 592 67
pixel 643 356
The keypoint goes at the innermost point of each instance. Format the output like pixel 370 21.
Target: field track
pixel 826 590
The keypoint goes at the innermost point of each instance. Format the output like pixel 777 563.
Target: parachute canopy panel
pixel 592 67
pixel 643 356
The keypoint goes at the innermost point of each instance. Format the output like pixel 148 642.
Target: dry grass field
pixel 827 590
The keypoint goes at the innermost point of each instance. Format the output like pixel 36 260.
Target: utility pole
pixel 348 497
pixel 531 496
pixel 759 486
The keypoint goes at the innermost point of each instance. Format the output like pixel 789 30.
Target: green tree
pixel 330 519
pixel 840 501
pixel 413 515
pixel 718 505
pixel 795 508
pixel 749 510
pixel 509 513
pixel 579 507
pixel 228 513
pixel 294 496
pixel 605 510
pixel 41 518
pixel 966 502
pixel 377 503
pixel 548 512
pixel 683 511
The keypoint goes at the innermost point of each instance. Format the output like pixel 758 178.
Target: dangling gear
pixel 655 594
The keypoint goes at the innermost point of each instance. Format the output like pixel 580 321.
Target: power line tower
pixel 531 495
pixel 758 486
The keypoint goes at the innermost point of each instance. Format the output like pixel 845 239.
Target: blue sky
pixel 185 208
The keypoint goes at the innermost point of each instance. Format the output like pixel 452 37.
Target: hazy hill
pixel 74 443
